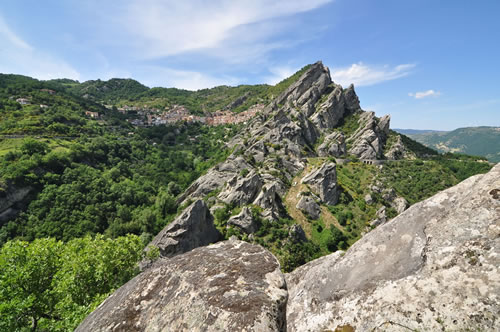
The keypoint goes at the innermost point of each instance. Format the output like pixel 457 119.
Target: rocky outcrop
pixel 381 217
pixel 333 145
pixel 244 221
pixel 272 149
pixel 12 200
pixel 229 286
pixel 296 233
pixel 399 204
pixel 434 267
pixel 238 101
pixel 268 199
pixel 193 228
pixel 398 150
pixel 368 140
pixel 241 191
pixel 215 178
pixel 307 90
pixel 323 183
pixel 309 207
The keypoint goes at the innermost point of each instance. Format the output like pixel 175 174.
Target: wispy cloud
pixel 19 57
pixel 360 74
pixel 164 28
pixel 424 94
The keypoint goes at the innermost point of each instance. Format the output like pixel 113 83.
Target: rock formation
pixel 244 220
pixel 398 150
pixel 228 286
pixel 323 182
pixel 309 207
pixel 193 228
pixel 333 145
pixel 369 139
pixel 11 201
pixel 434 267
pixel 271 150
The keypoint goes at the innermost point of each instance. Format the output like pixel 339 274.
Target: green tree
pixel 31 146
pixel 49 285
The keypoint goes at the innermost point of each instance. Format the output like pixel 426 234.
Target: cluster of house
pixel 179 113
pixel 26 101
pixel 23 101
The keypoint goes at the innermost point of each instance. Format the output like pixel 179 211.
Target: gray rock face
pixel 307 90
pixel 229 286
pixel 399 204
pixel 193 228
pixel 368 199
pixel 323 182
pixel 381 217
pixel 434 267
pixel 333 145
pixel 369 139
pixel 296 233
pixel 244 220
pixel 241 191
pixel 214 179
pixel 11 202
pixel 268 200
pixel 398 151
pixel 309 207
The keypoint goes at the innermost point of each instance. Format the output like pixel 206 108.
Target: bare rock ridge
pixel 304 121
pixel 434 267
pixel 228 286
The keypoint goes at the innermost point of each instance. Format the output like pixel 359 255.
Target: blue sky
pixel 430 64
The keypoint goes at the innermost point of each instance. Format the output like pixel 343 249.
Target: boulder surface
pixel 228 286
pixel 434 267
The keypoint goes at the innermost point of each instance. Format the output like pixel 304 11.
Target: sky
pixel 429 64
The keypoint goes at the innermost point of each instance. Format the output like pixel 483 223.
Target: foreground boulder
pixel 229 286
pixel 193 228
pixel 434 267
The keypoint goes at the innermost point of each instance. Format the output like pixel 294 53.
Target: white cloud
pixel 425 94
pixel 164 28
pixel 360 74
pixel 19 57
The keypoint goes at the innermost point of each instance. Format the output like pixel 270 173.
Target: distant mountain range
pixel 479 141
pixel 417 131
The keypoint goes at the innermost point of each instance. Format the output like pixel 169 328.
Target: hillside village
pixel 178 113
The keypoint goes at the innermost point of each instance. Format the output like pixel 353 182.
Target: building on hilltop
pixel 23 101
pixel 93 115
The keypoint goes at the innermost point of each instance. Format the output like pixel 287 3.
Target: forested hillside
pixel 477 141
pixel 120 92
